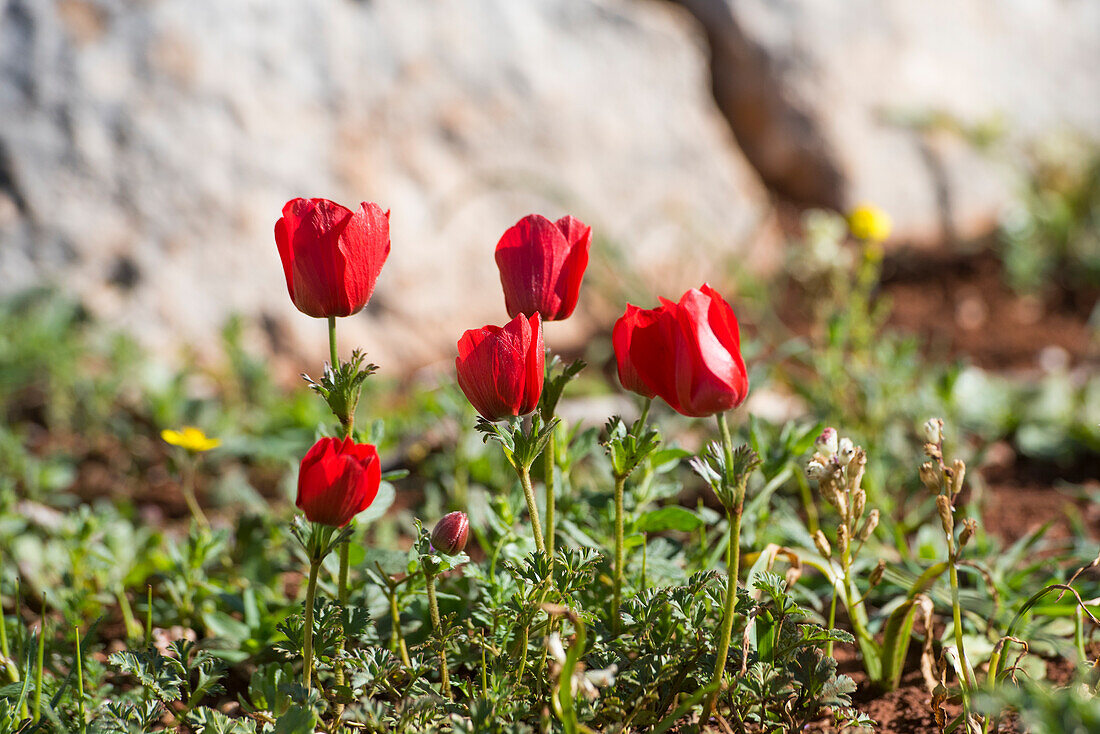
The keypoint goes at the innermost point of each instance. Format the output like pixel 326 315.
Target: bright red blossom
pixel 500 368
pixel 541 265
pixel 686 353
pixel 331 255
pixel 337 480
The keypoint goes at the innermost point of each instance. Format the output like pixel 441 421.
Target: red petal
pixel 579 236
pixel 621 337
pixel 530 256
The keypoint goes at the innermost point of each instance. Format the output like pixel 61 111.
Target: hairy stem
pixel 433 607
pixel 733 562
pixel 617 598
pixel 397 640
pixel 532 507
pixel 549 459
pixel 307 628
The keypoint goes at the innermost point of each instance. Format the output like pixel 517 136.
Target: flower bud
pixel 451 533
pixel 826 443
pixel 822 544
pixel 869 526
pixel 970 526
pixel 929 476
pixel 876 574
pixel 859 501
pixel 856 466
pixel 816 470
pixel 957 476
pixel 843 538
pixel 845 451
pixel 943 504
pixel 932 430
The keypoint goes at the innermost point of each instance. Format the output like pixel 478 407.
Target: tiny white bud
pixel 845 451
pixel 826 443
pixel 815 470
pixel 554 646
pixel 933 430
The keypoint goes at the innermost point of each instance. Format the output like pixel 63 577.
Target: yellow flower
pixel 868 222
pixel 190 438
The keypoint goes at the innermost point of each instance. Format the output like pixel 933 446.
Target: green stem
pixel 342 598
pixel 433 607
pixel 13 672
pixel 645 542
pixel 38 663
pixel 832 623
pixel 148 615
pixel 80 683
pixel 733 560
pixel 397 640
pixel 133 629
pixel 549 459
pixel 733 556
pixel 188 487
pixel 334 360
pixel 307 628
pixel 532 507
pixel 956 618
pixel 616 601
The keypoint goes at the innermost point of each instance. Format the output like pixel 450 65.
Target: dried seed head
pixel 826 443
pixel 929 476
pixel 822 544
pixel 876 574
pixel 933 451
pixel 932 430
pixel 845 451
pixel 943 504
pixel 870 525
pixel 970 526
pixel 958 473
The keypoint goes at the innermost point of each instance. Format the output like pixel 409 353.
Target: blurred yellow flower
pixel 868 222
pixel 190 438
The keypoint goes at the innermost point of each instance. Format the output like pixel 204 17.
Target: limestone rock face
pixel 881 100
pixel 146 149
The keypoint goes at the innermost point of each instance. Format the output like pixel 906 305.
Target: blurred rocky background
pixel 146 147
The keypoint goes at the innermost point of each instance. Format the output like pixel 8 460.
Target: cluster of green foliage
pixel 179 624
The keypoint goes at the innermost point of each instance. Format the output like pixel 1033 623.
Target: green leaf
pixel 672 517
pixel 383 500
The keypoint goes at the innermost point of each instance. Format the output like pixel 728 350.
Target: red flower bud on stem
pixel 500 368
pixel 542 264
pixel 331 255
pixel 451 533
pixel 337 480
pixel 686 353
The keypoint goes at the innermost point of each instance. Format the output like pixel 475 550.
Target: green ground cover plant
pixel 488 565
